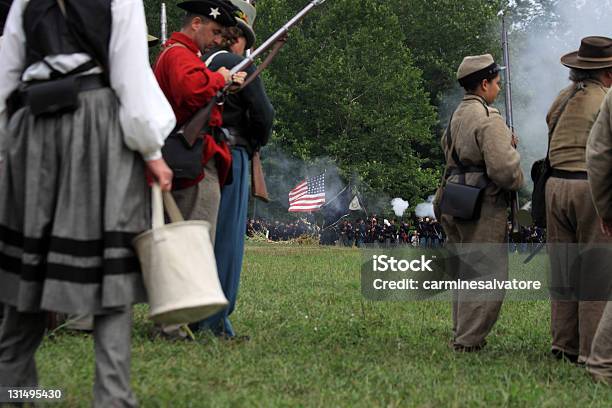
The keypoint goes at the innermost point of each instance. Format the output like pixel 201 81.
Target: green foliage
pixel 442 32
pixel 346 87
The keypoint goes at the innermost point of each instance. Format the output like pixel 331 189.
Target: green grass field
pixel 316 342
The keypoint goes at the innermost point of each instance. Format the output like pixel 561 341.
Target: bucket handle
pixel 161 200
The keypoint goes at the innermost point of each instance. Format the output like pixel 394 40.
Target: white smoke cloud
pixel 399 206
pixel 537 74
pixel 426 209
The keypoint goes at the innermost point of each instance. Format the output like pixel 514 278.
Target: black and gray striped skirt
pixel 72 197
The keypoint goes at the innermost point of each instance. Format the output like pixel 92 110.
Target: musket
pixel 514 206
pixel 192 129
pixel 164 24
pixel 537 250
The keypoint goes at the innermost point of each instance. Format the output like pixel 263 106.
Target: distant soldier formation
pixel 419 232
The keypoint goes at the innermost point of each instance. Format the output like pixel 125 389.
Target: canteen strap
pixel 161 200
pixel 171 208
pixel 158 206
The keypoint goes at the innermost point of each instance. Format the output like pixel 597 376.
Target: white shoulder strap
pixel 212 57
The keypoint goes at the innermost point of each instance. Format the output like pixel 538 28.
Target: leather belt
pixel 467 169
pixel 234 137
pixel 569 175
pixel 84 83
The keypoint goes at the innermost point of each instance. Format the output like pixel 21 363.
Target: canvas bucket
pixel 178 266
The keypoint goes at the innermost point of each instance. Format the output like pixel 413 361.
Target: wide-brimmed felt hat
pixel 594 53
pixel 245 19
pixel 477 67
pixel 220 11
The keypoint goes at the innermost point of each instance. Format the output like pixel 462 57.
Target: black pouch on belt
pixel 461 201
pixel 184 159
pixel 51 97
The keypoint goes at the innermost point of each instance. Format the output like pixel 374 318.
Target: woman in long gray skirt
pixel 73 191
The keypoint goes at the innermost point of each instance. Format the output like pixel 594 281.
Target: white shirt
pixel 146 116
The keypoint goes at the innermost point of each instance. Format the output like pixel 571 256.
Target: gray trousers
pixel 22 333
pixel 480 250
pixel 475 312
pixel 201 202
pixel 599 362
pixel 572 220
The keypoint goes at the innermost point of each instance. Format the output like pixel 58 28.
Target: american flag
pixel 308 196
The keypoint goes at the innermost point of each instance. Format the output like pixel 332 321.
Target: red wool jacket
pixel 189 86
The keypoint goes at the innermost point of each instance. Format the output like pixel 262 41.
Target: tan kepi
pixel 594 53
pixel 475 67
pixel 178 266
pixel 246 20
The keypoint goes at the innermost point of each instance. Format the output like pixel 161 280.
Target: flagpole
pixel 362 205
pixel 337 195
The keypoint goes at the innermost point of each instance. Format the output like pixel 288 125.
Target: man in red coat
pixel 189 86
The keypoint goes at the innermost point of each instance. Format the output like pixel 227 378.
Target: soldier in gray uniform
pixel 599 168
pixel 572 223
pixel 484 146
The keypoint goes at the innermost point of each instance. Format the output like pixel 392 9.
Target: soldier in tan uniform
pixel 484 146
pixel 572 223
pixel 599 168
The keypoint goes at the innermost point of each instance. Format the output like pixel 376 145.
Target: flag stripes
pixel 308 196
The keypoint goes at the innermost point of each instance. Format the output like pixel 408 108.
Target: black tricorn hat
pixel 594 53
pixel 220 11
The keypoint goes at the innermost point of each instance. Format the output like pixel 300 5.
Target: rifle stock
pixel 258 181
pixel 192 129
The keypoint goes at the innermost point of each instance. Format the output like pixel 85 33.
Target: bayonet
pixel 164 24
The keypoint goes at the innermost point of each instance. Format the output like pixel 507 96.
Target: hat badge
pixel 241 15
pixel 214 12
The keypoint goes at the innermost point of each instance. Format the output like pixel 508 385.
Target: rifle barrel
pixel 275 37
pixel 508 76
pixel 164 24
pixel 509 117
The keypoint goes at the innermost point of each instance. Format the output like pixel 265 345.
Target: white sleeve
pixel 145 114
pixel 12 55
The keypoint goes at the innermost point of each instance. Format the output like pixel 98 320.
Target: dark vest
pixel 4 9
pixel 87 29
